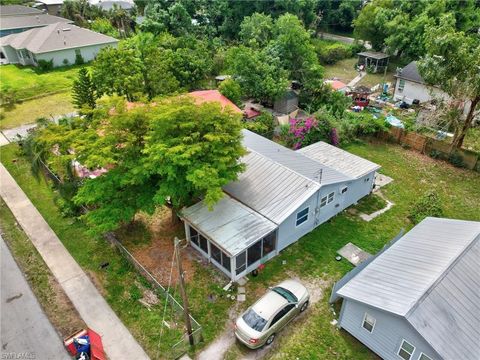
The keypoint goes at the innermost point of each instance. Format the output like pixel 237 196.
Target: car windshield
pixel 287 294
pixel 255 321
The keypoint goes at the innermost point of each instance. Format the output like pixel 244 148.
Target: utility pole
pixel 186 311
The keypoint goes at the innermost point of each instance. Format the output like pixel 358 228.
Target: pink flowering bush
pixel 303 132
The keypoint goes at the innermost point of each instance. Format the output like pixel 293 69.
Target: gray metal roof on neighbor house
pixel 373 54
pixel 431 276
pixel 349 164
pixel 29 21
pixel 310 168
pixel 231 225
pixel 55 37
pixel 410 72
pixel 15 10
pixel 270 188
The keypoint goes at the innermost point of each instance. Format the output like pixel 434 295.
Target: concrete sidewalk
pixel 92 307
pixel 25 328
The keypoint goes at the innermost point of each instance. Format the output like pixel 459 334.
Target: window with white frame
pixel 331 196
pixel 368 322
pixel 406 350
pixel 302 216
pixel 424 357
pixel 323 202
pixel 401 85
pixel 344 190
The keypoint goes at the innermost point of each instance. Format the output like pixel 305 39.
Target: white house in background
pixel 419 298
pixel 281 196
pixel 59 42
pixel 410 86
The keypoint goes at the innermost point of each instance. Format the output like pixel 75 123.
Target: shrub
pixel 333 53
pixel 8 98
pixel 427 205
pixel 65 62
pixel 456 159
pixel 231 90
pixel 354 125
pixel 263 124
pixel 435 154
pixel 79 59
pixel 45 65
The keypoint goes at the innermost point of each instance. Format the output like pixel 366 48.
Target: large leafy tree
pixel 452 63
pixel 256 30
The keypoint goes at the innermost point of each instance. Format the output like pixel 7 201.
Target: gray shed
pixel 419 298
pixel 281 196
pixel 286 103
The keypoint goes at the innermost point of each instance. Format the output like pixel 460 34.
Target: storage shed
pixel 374 60
pixel 286 103
pixel 420 297
pixel 281 196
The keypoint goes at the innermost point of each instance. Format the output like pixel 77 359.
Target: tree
pixel 370 25
pixel 83 91
pixel 256 30
pixel 104 26
pixel 118 71
pixel 231 90
pixel 452 63
pixel 259 74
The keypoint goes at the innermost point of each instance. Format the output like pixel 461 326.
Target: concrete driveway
pixel 26 332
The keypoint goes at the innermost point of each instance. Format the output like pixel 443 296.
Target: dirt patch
pixel 156 255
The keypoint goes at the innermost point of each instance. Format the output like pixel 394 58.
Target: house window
pixel 331 196
pixel 203 243
pixel 424 357
pixel 323 202
pixel 302 216
pixel 344 190
pixel 220 257
pixel 194 236
pixel 406 350
pixel 367 179
pixel 401 85
pixel 368 322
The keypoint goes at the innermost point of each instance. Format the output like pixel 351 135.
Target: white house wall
pixel 413 90
pixel 388 333
pixel 88 54
pixel 10 55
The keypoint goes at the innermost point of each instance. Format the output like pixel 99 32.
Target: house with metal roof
pixel 281 196
pixel 418 299
pixel 61 43
pixel 373 60
pixel 16 19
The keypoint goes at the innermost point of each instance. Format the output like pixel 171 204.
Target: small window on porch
pixel 194 236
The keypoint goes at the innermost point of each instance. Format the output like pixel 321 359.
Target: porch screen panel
pixel 226 262
pixel 241 261
pixel 203 243
pixel 194 236
pixel 254 252
pixel 216 253
pixel 268 243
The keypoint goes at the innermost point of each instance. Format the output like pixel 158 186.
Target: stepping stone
pixel 241 297
pixel 353 254
pixel 242 281
pixel 241 290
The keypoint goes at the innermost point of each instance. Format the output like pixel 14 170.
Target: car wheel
pixel 304 306
pixel 270 339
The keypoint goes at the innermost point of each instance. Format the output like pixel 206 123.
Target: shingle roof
pixel 29 21
pixel 12 10
pixel 54 37
pixel 349 164
pixel 431 276
pixel 231 225
pixel 410 72
pixel 294 160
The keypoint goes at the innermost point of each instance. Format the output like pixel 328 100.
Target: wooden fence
pixel 430 146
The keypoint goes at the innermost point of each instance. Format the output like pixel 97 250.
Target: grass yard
pixel 370 204
pixel 313 256
pixel 27 81
pixel 50 295
pixel 28 111
pixel 119 283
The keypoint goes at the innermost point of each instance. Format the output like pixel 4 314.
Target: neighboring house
pixel 52 7
pixel 202 96
pixel 410 86
pixel 59 42
pixel 419 299
pixel 337 85
pixel 281 196
pixel 16 19
pixel 286 103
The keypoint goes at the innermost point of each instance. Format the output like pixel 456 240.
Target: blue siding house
pixel 419 299
pixel 281 196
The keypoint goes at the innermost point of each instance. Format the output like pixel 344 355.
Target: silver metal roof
pixel 342 161
pixel 231 225
pixel 310 168
pixel 270 188
pixel 54 37
pixel 431 276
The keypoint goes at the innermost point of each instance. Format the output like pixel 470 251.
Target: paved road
pixel 90 304
pixel 344 39
pixel 25 329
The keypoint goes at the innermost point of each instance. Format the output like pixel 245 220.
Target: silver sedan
pixel 260 323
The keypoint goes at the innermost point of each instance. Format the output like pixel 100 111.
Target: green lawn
pixel 369 204
pixel 28 81
pixel 28 111
pixel 119 283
